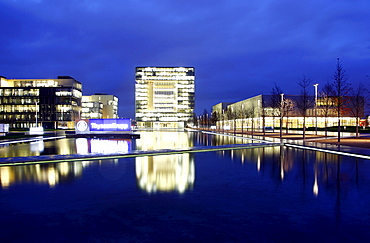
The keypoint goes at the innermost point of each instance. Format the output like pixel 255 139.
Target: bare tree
pixel 287 108
pixel 232 115
pixel 214 118
pixel 356 103
pixel 252 112
pixel 341 88
pixel 276 103
pixel 249 114
pixel 304 101
pixel 205 118
pixel 241 116
pixel 326 103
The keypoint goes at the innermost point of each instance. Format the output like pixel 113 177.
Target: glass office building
pixel 164 96
pixel 99 105
pixel 50 103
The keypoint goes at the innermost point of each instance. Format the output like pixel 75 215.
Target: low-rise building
pixel 267 111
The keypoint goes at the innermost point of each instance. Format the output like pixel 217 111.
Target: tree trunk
pixel 304 127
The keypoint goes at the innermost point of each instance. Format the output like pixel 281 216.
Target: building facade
pixel 99 105
pixel 267 111
pixel 164 96
pixel 50 103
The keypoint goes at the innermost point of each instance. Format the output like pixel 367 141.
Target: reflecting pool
pixel 271 194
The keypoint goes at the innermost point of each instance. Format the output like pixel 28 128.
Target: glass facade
pixel 51 103
pixel 164 96
pixel 99 106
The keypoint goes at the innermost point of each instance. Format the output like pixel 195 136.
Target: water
pixel 267 194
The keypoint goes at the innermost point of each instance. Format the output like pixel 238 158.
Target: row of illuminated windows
pixel 92 104
pixel 36 83
pixel 18 100
pixel 19 92
pixel 32 108
pixel 20 117
pixel 145 79
pixel 164 92
pixel 170 113
pixel 27 117
pixel 63 93
pixel 18 108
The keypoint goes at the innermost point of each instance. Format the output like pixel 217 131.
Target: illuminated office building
pixel 50 103
pixel 258 112
pixel 164 96
pixel 99 106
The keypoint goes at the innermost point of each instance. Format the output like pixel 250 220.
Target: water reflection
pixel 49 174
pixel 316 171
pixel 164 140
pixel 104 146
pixel 67 146
pixel 39 147
pixel 165 172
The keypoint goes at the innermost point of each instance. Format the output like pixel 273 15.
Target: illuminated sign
pixel 119 125
pixel 88 126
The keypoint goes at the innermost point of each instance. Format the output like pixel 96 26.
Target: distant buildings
pixel 51 103
pixel 164 96
pixel 99 105
pixel 263 111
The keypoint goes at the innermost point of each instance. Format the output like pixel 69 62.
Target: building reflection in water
pixel 52 174
pixel 40 147
pixel 49 174
pixel 165 172
pixel 104 146
pixel 164 140
pixel 313 169
pixel 318 172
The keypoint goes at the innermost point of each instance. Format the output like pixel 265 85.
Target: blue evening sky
pixel 239 48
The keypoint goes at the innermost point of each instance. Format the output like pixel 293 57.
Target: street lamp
pixel 36 112
pixel 281 115
pixel 242 116
pixel 315 85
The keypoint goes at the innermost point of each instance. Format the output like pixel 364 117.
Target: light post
pixel 315 85
pixel 223 121
pixel 281 115
pixel 207 121
pixel 242 116
pixel 36 112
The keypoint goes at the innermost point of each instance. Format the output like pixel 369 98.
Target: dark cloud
pixel 239 48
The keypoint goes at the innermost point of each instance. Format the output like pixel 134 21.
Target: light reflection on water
pixel 227 196
pixel 175 172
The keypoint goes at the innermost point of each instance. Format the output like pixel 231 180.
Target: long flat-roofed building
pixel 164 96
pixel 262 111
pixel 50 103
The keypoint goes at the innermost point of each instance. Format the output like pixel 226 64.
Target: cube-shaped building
pixel 164 96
